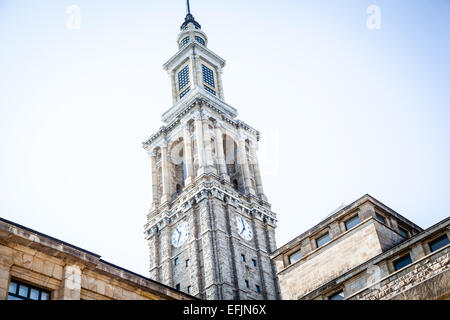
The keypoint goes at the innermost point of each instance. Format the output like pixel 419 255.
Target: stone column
pixel 219 83
pixel 6 261
pixel 155 199
pixel 244 164
pixel 209 160
pixel 188 155
pixel 220 155
pixel 174 87
pixel 258 180
pixel 200 145
pixel 165 174
pixel 70 288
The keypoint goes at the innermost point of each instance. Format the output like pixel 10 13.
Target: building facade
pixel 35 266
pixel 210 229
pixel 366 251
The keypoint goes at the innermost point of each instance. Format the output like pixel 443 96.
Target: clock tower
pixel 210 229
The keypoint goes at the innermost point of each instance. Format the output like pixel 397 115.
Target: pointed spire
pixel 188 7
pixel 189 18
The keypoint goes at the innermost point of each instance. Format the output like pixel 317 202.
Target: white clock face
pixel 179 234
pixel 244 229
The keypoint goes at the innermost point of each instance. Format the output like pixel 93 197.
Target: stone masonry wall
pixel 407 279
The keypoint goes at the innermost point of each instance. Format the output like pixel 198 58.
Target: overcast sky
pixel 343 109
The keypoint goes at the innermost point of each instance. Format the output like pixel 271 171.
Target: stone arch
pixel 232 162
pixel 177 167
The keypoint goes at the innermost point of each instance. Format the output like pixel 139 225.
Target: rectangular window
pixel 243 257
pixel 175 262
pixel 402 262
pixel 322 240
pixel 258 289
pixel 380 218
pixel 295 256
pixel 350 223
pixel 337 296
pixel 439 243
pixel 208 76
pixel 187 263
pixel 254 262
pixel 178 286
pixel 247 285
pixel 189 289
pixel 403 232
pixel 21 291
pixel 183 78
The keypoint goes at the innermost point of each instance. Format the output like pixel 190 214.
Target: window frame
pixel 29 288
pixel 327 234
pixel 207 86
pixel 400 258
pixel 350 219
pixel 336 294
pixel 202 42
pixel 403 232
pixel 183 43
pixel 187 86
pixel 436 239
pixel 299 251
pixel 383 218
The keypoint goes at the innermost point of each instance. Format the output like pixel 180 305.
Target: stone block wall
pixel 430 274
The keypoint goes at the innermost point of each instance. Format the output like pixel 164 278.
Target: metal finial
pixel 188 7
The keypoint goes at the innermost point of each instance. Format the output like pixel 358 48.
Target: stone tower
pixel 210 229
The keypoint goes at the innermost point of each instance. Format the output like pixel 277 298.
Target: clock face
pixel 244 229
pixel 179 234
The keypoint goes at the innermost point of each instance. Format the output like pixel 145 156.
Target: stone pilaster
pixel 70 288
pixel 165 174
pixel 200 144
pixel 173 80
pixel 208 252
pixel 188 155
pixel 6 261
pixel 165 250
pixel 219 83
pixel 154 173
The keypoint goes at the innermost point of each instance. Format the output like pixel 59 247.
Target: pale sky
pixel 343 110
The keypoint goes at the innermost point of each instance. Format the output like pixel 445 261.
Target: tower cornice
pixel 198 98
pixel 187 50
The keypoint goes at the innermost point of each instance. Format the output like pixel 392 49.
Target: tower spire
pixel 189 18
pixel 188 7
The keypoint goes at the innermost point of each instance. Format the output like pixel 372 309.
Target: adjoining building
pixel 366 251
pixel 34 266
